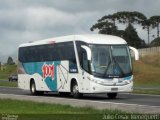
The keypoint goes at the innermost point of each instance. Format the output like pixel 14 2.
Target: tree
pixel 10 61
pixel 155 42
pixel 152 22
pixel 104 27
pixel 126 17
pixel 107 25
pixel 130 18
pixel 132 38
pixel 156 21
pixel 109 18
pixel 147 24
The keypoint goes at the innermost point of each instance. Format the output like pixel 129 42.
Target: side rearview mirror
pixel 136 53
pixel 88 50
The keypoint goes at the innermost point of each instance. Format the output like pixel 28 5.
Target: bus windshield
pixel 110 61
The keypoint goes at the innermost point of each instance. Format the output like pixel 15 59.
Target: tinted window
pixel 51 52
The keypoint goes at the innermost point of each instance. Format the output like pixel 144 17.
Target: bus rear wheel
pixel 33 89
pixel 75 91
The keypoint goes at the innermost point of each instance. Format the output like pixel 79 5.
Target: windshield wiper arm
pixel 107 68
pixel 118 65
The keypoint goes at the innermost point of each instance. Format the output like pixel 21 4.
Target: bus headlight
pixel 127 81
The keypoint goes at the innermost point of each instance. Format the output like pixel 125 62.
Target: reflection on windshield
pixel 110 61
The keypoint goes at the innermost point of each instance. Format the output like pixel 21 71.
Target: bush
pixel 155 42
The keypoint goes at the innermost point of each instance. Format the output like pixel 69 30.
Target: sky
pixel 22 21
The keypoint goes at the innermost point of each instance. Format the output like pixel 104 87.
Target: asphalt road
pixel 150 100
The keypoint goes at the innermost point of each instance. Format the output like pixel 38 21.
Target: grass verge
pixel 147 71
pixel 144 91
pixel 147 74
pixel 9 84
pixel 39 111
pixel 8 70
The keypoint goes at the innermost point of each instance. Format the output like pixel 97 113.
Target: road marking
pixel 70 99
pixel 119 93
pixel 142 94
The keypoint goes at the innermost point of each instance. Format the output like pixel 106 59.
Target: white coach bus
pixel 76 64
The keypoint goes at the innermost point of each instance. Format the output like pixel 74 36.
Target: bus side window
pixel 21 55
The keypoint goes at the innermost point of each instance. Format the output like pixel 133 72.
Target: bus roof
pixel 88 38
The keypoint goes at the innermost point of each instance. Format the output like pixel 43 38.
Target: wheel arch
pixel 31 80
pixel 73 80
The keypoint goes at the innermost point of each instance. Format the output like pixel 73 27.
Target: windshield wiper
pixel 105 73
pixel 115 61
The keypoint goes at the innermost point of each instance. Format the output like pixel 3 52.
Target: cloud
pixel 35 23
pixel 30 20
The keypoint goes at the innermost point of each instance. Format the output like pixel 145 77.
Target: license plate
pixel 114 89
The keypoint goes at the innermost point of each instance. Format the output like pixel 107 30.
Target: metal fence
pixel 149 51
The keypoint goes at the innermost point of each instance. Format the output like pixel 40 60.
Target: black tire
pixel 75 91
pixel 112 95
pixel 33 89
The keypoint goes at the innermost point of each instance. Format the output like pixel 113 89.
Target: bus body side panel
pixel 43 73
pixel 65 73
pixel 23 78
pixel 23 81
pixel 63 77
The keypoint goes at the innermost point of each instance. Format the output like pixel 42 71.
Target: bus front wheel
pixel 75 91
pixel 112 95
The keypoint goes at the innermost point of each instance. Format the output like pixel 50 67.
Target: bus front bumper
pixel 98 88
